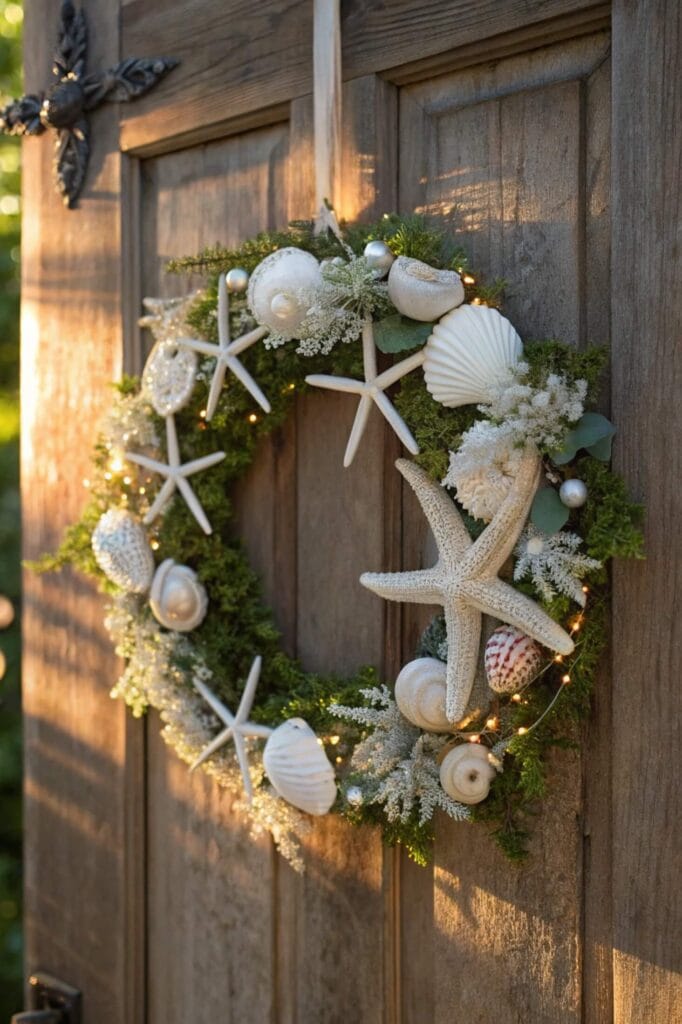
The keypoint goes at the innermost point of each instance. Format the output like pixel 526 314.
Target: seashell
pixel 466 773
pixel 122 551
pixel 278 287
pixel 422 292
pixel 168 376
pixel 298 767
pixel 512 659
pixel 177 599
pixel 471 348
pixel 420 694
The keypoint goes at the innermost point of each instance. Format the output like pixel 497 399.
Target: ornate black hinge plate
pixel 65 105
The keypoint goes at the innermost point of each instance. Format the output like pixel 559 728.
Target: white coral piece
pixel 554 563
pixel 483 469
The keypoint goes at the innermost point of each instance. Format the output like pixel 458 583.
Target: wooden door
pixel 545 133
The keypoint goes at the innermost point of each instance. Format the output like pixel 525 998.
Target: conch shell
pixel 422 292
pixel 466 773
pixel 177 599
pixel 122 551
pixel 298 767
pixel 420 691
pixel 276 288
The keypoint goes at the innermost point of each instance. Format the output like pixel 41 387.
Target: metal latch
pixel 51 1001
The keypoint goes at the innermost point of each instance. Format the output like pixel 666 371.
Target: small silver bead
pixel 379 257
pixel 354 796
pixel 573 493
pixel 237 280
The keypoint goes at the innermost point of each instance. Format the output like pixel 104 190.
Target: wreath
pixel 511 472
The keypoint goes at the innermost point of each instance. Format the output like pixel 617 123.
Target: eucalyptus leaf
pixel 602 449
pixel 547 512
pixel 396 333
pixel 591 429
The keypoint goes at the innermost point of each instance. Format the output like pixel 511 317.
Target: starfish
pixel 176 474
pixel 165 318
pixel 464 580
pixel 238 727
pixel 225 354
pixel 371 389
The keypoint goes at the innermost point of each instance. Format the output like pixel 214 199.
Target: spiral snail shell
pixel 466 773
pixel 275 288
pixel 420 694
pixel 422 292
pixel 177 599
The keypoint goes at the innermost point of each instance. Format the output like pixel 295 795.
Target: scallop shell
pixel 422 292
pixel 298 767
pixel 469 350
pixel 168 376
pixel 177 599
pixel 466 773
pixel 122 551
pixel 283 276
pixel 512 659
pixel 420 694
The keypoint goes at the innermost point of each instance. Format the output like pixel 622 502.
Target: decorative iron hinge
pixel 66 104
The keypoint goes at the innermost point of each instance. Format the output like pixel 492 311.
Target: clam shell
pixel 168 376
pixel 283 276
pixel 122 551
pixel 177 599
pixel 512 659
pixel 422 292
pixel 298 767
pixel 470 349
pixel 420 691
pixel 466 773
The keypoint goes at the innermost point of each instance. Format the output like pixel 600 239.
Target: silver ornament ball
pixel 573 493
pixel 237 279
pixel 354 796
pixel 379 257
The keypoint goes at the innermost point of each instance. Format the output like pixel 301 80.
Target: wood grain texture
pixel 237 59
pixel 519 149
pixel 647 640
pixel 81 914
pixel 208 880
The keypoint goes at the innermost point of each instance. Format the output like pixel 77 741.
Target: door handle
pixel 51 1001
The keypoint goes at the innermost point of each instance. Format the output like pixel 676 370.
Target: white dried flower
pixel 535 415
pixel 483 469
pixel 553 563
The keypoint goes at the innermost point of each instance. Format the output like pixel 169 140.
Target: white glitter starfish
pixel 225 354
pixel 165 318
pixel 464 580
pixel 371 389
pixel 238 726
pixel 176 473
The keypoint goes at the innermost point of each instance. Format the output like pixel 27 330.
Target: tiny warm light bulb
pixel 586 590
pixel 334 740
pixel 474 738
pixel 468 279
pixel 516 697
pixel 476 302
pixel 116 464
pixel 202 414
pixel 559 658
pixel 127 480
pixel 86 482
pixel 142 490
pixel 522 731
pixel 107 476
pixel 339 760
pixel 253 418
pixel 154 545
pixel 566 679
pixel 491 723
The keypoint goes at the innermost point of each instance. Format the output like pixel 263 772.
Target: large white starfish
pixel 176 473
pixel 464 580
pixel 238 726
pixel 371 389
pixel 225 354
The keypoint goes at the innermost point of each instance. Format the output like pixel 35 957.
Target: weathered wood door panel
pixel 144 886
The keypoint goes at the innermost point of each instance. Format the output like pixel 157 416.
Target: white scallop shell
pixel 168 376
pixel 298 767
pixel 177 599
pixel 466 773
pixel 122 551
pixel 420 691
pixel 284 276
pixel 422 292
pixel 471 348
pixel 512 659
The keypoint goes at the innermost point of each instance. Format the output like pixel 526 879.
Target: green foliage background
pixel 11 17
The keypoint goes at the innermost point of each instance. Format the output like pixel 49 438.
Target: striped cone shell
pixel 511 659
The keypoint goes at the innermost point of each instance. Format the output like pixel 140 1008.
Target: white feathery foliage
pixel 535 415
pixel 553 563
pixel 399 764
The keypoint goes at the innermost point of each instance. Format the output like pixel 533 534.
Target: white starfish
pixel 225 354
pixel 238 726
pixel 165 318
pixel 371 389
pixel 176 474
pixel 464 580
